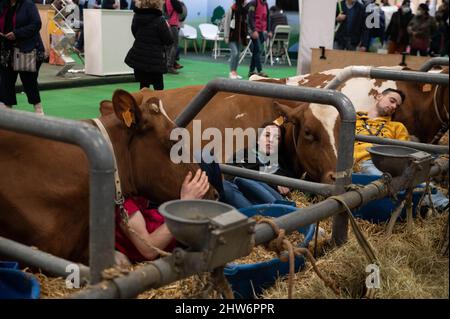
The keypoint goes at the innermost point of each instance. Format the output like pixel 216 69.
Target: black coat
pixel 28 24
pixel 151 35
pixel 397 29
pixel 358 23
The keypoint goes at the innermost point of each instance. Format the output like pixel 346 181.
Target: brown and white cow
pixel 44 187
pixel 311 130
pixel 425 109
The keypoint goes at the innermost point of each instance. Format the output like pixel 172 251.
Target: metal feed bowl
pixel 391 159
pixel 188 220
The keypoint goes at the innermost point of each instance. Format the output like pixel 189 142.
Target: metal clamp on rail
pixel 215 230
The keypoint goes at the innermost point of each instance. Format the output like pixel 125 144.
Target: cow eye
pixel 308 135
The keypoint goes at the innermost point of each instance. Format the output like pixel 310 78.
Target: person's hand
pixel 283 190
pixel 226 40
pixel 10 36
pixel 195 188
pixel 341 17
pixel 270 35
pixel 255 35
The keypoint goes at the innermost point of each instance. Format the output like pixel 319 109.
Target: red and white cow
pixel 424 111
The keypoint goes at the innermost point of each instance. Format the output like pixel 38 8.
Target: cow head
pixel 140 130
pixel 312 136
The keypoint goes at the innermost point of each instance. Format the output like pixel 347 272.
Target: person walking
pixel 147 56
pixel 19 33
pixel 173 9
pixel 235 34
pixel 258 25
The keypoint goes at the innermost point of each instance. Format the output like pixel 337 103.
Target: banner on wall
pixel 314 32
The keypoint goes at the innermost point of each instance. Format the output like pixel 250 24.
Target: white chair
pixel 187 33
pixel 279 44
pixel 247 51
pixel 210 32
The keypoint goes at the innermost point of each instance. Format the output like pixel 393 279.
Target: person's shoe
pixel 264 75
pixel 235 76
pixel 39 111
pixel 177 66
pixel 172 71
pixel 251 73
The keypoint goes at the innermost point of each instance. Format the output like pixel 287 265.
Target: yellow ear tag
pixel 127 117
pixel 427 88
pixel 279 121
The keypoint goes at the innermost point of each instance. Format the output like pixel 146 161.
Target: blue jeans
pixel 235 48
pixel 256 53
pixel 243 192
pixel 438 199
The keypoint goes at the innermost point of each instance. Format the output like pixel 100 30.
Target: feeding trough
pixel 189 220
pixel 215 229
pixel 396 159
pixel 248 280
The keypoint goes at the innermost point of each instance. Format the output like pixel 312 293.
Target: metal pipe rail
pixel 321 96
pixel 430 148
pixel 30 256
pixel 427 66
pixel 160 272
pixel 101 176
pixel 305 186
pixel 386 74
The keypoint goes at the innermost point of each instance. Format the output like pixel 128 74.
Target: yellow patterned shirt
pixel 382 127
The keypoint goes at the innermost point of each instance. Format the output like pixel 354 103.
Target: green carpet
pixel 82 103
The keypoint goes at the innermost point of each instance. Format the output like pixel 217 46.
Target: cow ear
pixel 126 108
pixel 106 107
pixel 284 110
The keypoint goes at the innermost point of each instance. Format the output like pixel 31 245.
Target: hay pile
pixel 52 287
pixel 411 265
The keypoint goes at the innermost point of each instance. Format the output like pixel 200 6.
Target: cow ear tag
pixel 127 118
pixel 426 88
pixel 279 121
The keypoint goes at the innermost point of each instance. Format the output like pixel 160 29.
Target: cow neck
pixel 117 181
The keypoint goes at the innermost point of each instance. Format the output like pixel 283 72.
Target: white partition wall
pixel 107 39
pixel 316 29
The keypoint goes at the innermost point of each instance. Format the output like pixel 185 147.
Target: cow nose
pixel 329 177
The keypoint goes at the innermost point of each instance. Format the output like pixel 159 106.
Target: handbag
pixel 24 62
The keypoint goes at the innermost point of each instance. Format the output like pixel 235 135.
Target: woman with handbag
pixel 21 51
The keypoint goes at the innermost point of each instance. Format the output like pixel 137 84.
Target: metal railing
pixel 160 272
pixel 438 61
pixel 306 94
pixel 101 184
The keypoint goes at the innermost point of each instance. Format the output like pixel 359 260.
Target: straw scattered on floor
pixel 411 265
